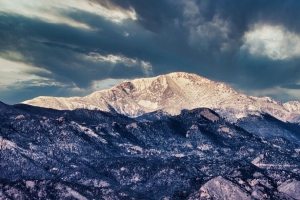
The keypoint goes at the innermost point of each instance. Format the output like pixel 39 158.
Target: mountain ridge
pixel 87 154
pixel 172 93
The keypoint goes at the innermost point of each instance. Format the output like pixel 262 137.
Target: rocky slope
pixel 294 108
pixel 90 154
pixel 173 93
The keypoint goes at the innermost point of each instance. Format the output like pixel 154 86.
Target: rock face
pixel 90 154
pixel 220 188
pixel 291 188
pixel 173 93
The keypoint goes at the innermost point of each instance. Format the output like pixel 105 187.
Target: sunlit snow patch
pixel 148 104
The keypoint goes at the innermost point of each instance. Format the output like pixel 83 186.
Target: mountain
pixel 268 126
pixel 91 154
pixel 172 93
pixel 264 125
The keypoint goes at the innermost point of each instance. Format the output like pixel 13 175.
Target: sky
pixel 75 47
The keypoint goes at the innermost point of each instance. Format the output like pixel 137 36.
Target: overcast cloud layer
pixel 74 47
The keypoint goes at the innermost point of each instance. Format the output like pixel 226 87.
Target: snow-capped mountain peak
pixel 172 93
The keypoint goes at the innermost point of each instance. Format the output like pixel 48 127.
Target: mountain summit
pixel 173 93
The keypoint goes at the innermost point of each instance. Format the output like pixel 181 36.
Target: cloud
pixel 21 81
pixel 274 42
pixel 120 59
pixel 57 11
pixel 15 73
pixel 79 43
pixel 147 68
pixel 113 59
pixel 108 10
pixel 70 53
pixel 46 11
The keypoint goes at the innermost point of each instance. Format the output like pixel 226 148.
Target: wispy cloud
pixel 58 11
pixel 16 73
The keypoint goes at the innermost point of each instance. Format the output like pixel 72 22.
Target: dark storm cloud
pixel 64 55
pixel 260 72
pixel 204 37
pixel 202 53
pixel 240 14
pixel 60 56
pixel 233 65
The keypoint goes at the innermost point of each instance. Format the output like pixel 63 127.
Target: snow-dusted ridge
pixel 172 93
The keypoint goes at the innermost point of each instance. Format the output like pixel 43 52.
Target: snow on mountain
pixel 294 108
pixel 172 93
